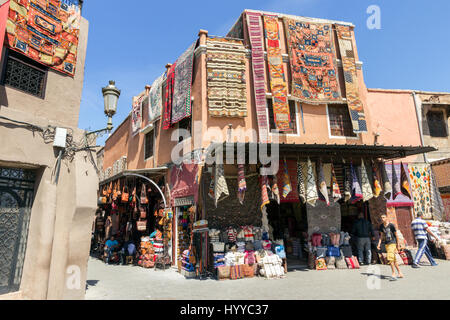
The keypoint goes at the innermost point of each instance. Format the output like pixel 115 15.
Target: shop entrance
pixel 16 199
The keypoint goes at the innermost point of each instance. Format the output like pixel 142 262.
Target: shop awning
pixel 149 171
pixel 338 151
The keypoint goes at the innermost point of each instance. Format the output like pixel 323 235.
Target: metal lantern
pixel 111 96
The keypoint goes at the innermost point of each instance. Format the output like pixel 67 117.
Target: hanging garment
pixel 386 182
pixel 275 190
pixel 136 114
pixel 264 194
pixel 356 187
pixel 287 188
pixel 323 190
pixel 335 191
pixel 242 185
pixel 395 183
pixel 311 187
pixel 365 183
pixel 404 183
pixel 347 184
pixel 220 185
pixel 421 189
pixel 301 182
pixel 170 81
pixel 376 180
pixel 437 207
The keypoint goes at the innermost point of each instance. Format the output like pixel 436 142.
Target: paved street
pixel 127 282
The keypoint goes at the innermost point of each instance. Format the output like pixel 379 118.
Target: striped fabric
pixel 254 24
pixel 419 226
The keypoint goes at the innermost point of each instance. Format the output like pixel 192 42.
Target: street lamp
pixel 110 97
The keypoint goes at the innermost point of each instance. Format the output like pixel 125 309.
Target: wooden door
pixel 404 220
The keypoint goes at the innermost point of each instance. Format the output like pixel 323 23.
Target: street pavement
pixel 105 282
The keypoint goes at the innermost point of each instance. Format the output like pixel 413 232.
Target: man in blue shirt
pixel 421 231
pixel 110 246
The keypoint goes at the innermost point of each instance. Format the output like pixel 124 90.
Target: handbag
pixel 321 252
pixel 352 262
pixel 347 251
pixel 125 195
pixel 144 199
pixel 321 264
pixel 143 213
pixel 249 271
pixel 331 262
pixel 104 191
pixel 236 272
pixel 102 200
pixel 114 194
pixel 119 193
pixel 109 190
pixel 406 256
pixel 340 262
pixel 333 251
pixel 141 225
pixel 223 272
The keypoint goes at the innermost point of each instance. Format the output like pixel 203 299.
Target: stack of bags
pixel 147 253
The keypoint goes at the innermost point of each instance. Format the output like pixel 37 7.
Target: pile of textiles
pixel 185 264
pixel 158 246
pixel 271 267
pixel 219 260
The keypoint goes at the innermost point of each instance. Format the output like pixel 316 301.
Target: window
pixel 340 122
pixel 148 147
pixel 22 73
pixel 436 124
pixel 293 117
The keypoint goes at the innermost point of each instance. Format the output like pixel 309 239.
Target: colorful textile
pixel 254 24
pixel 313 62
pixel 395 183
pixel 220 185
pixel 323 190
pixel 155 99
pixel 401 200
pixel 311 187
pixel 366 188
pixel 419 227
pixel 275 190
pixel 136 115
pixel 404 184
pixel 437 204
pixel 420 179
pixel 225 64
pixel 386 181
pixel 347 184
pixel 376 180
pixel 301 182
pixel 181 107
pixel 277 80
pixel 287 188
pixel 335 191
pixel 356 187
pixel 4 11
pixel 322 218
pixel 46 31
pixel 242 185
pixel 354 102
pixel 170 81
pixel 264 194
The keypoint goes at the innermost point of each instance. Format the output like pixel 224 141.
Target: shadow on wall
pixel 3 97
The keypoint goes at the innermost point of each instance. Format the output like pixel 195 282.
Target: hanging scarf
pixel 386 182
pixel 404 183
pixel 301 182
pixel 311 186
pixel 395 183
pixel 220 185
pixel 287 188
pixel 242 184
pixel 365 183
pixel 264 194
pixel 335 191
pixel 356 187
pixel 323 190
pixel 275 190
pixel 376 180
pixel 347 184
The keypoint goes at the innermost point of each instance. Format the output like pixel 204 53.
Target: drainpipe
pixel 418 107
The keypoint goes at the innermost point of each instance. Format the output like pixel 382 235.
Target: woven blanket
pixel 225 63
pixel 287 177
pixel 170 81
pixel 277 80
pixel 321 181
pixel 242 184
pixel 301 182
pixel 313 66
pixel 264 194
pixel 155 99
pixel 354 102
pixel 136 115
pixel 286 186
pixel 322 218
pixel 356 186
pixel 254 24
pixel 46 31
pixel 438 209
pixel 366 187
pixel 311 187
pixel 181 107
pixel 387 187
pixel 405 188
pixel 335 190
pixel 420 182
pixel 376 180
pixel 401 200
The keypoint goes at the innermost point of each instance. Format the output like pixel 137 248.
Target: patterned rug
pixel 420 183
pixel 292 195
pixel 225 63
pixel 46 31
pixel 181 107
pixel 312 194
pixel 254 24
pixel 354 102
pixel 277 80
pixel 323 218
pixel 136 115
pixel 313 62
pixel 401 200
pixel 366 187
pixel 170 81
pixel 155 99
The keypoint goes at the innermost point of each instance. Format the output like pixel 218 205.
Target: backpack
pixel 250 257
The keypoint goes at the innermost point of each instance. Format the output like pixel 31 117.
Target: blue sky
pixel 131 41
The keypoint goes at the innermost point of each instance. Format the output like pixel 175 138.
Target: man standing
pixel 390 239
pixel 420 228
pixel 362 230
